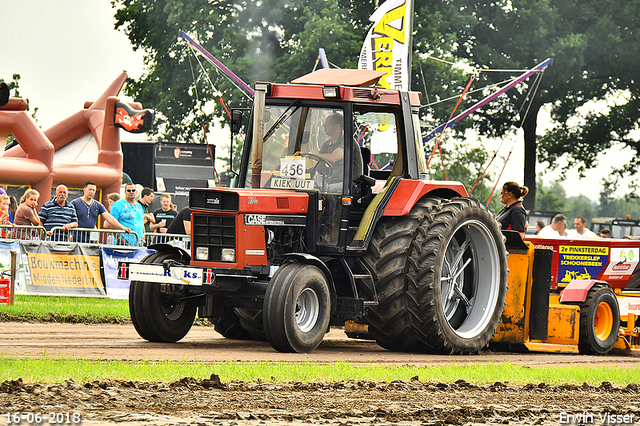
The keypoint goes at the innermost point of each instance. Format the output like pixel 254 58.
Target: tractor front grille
pixel 215 232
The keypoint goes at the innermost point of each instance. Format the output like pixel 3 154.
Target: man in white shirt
pixel 580 231
pixel 556 229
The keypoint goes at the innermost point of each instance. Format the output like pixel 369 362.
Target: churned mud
pixel 191 401
pixel 202 402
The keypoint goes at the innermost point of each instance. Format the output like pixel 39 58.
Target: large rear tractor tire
pixel 251 320
pixel 229 327
pixel 160 315
pixel 599 321
pixel 441 278
pixel 297 308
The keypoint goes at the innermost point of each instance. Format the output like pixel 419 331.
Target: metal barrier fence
pixel 105 237
pixel 177 240
pixel 21 232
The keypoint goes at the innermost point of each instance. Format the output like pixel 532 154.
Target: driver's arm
pixel 334 156
pixel 331 157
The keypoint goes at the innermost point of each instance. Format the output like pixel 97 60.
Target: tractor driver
pixel 332 151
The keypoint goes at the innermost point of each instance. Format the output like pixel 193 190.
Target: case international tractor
pixel 307 241
pixel 312 238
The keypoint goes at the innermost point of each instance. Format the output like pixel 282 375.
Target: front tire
pixel 297 308
pixel 161 315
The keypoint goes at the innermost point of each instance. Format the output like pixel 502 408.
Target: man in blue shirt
pixel 88 210
pixel 130 213
pixel 59 213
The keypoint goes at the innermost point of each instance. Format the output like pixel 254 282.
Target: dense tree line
pixel 594 46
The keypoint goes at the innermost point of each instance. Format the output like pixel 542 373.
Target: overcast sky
pixel 68 52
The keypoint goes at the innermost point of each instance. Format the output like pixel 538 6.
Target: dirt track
pixel 199 402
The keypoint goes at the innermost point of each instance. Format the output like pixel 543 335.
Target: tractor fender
pixel 312 260
pixel 184 257
pixel 577 290
pixel 409 191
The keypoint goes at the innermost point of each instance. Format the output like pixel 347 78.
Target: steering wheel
pixel 329 166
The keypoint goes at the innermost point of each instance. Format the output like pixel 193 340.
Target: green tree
pixel 551 197
pixel 594 46
pixel 465 164
pixel 270 40
pixel 619 207
pixel 14 85
pixel 580 205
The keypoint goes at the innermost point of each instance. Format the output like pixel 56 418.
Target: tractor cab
pixel 315 137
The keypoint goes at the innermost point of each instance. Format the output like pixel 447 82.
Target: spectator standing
pixel 605 233
pixel 513 216
pixel 111 198
pixel 165 215
pixel 4 213
pixel 557 228
pixel 580 229
pixel 88 210
pixel 12 208
pixel 59 213
pixel 146 197
pixel 182 223
pixel 539 226
pixel 129 213
pixel 26 214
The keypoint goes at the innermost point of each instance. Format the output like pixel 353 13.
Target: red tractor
pixel 312 238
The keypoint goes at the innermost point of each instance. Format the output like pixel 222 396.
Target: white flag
pixel 386 46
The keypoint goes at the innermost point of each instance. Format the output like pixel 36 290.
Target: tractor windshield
pixel 303 149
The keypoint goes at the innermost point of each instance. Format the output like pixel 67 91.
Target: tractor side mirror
pixel 236 121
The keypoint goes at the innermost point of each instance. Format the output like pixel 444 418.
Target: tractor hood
pixel 240 200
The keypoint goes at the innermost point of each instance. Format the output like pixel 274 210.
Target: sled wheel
pixel 297 308
pixel 440 275
pixel 140 322
pixel 599 321
pixel 165 312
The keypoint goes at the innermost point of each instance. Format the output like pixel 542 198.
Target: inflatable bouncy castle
pixel 36 160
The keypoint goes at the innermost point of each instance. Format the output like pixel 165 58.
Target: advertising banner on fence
pixel 62 269
pixel 119 289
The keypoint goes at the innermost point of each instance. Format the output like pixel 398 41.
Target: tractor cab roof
pixel 339 85
pixel 332 76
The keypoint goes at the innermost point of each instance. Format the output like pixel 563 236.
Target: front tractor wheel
pixel 441 278
pixel 599 321
pixel 161 312
pixel 297 308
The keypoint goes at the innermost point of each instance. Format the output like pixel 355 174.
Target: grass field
pixel 66 309
pixel 49 370
pixel 96 310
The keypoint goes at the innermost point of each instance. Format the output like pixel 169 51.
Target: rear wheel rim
pixel 307 310
pixel 603 321
pixel 463 281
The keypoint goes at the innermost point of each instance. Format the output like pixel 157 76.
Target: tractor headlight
pixel 202 253
pixel 228 255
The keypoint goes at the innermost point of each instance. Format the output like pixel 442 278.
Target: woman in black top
pixel 513 216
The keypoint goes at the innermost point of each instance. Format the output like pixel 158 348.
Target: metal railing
pixel 22 232
pixel 106 237
pixel 177 240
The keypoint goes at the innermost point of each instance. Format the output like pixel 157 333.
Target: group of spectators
pixel 127 214
pixel 558 228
